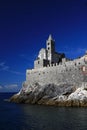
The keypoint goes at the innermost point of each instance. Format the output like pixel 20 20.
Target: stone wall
pixel 68 72
pixel 40 63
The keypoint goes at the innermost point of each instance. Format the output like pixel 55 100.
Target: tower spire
pixel 50 37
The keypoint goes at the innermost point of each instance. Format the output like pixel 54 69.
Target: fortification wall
pixel 69 72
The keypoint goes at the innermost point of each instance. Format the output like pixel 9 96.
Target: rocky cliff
pixel 61 85
pixel 52 94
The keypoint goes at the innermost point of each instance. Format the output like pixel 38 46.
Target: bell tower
pixel 50 47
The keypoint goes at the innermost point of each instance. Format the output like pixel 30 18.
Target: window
pixel 48 43
pixel 48 48
pixel 38 62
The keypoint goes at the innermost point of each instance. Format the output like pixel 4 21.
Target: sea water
pixel 37 117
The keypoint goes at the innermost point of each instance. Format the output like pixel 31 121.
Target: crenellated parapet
pixel 69 71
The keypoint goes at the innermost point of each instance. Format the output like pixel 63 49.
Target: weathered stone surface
pixel 51 94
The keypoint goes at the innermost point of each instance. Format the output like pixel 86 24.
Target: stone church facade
pixel 48 56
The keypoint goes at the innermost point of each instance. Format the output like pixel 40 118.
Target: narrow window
pixel 38 62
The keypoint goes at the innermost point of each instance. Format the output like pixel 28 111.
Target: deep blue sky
pixel 24 28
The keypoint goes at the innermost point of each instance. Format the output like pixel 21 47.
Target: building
pixel 48 56
pixel 52 67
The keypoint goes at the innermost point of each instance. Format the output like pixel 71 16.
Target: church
pixel 48 56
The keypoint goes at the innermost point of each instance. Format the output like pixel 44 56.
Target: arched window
pixel 48 48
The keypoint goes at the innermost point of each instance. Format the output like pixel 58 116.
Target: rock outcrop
pixel 51 94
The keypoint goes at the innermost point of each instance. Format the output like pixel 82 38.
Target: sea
pixel 38 117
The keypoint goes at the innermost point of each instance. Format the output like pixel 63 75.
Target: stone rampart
pixel 68 72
